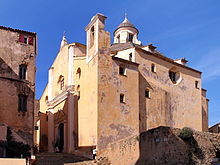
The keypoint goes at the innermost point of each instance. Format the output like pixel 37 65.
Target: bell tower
pixel 97 37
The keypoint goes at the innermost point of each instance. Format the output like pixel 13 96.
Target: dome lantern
pixel 126 32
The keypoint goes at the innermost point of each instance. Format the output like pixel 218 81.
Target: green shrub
pixel 186 133
pixel 137 138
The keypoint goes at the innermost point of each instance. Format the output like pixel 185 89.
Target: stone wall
pixel 162 145
pixel 13 53
pixel 205 121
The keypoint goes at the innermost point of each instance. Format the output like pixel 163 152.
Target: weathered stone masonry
pixel 17 81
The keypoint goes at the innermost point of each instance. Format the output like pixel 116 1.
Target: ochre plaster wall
pixel 170 104
pixel 87 104
pixel 60 65
pixel 116 120
pixel 124 54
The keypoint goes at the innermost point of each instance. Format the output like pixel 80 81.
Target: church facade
pixel 100 93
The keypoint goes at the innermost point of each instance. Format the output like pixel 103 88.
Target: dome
pixel 126 23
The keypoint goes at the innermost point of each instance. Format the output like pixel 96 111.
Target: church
pixel 100 93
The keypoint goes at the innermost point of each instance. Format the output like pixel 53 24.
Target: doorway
pixel 60 137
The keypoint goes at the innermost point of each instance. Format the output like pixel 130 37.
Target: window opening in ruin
pixel 197 84
pixel 22 71
pixel 22 103
pixel 153 68
pixel 121 70
pixel 147 93
pixel 130 38
pixel 172 76
pixel 122 98
pixel 130 57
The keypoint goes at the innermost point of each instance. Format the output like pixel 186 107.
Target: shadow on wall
pixel 43 132
pixel 162 146
pixel 159 116
pixel 11 90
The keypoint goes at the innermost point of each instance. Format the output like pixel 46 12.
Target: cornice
pixel 61 97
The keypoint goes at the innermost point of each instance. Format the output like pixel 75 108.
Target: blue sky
pixel 188 28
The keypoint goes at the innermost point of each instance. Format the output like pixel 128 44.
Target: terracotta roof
pixel 167 59
pixel 17 30
pixel 125 61
pixel 123 46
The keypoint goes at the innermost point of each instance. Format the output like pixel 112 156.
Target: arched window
pixel 78 72
pixel 118 37
pixel 93 31
pixel 46 99
pixel 130 37
pixel 92 34
pixel 61 82
pixel 130 57
pixel 78 90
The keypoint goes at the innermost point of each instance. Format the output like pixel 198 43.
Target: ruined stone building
pixel 18 50
pixel 215 128
pixel 100 93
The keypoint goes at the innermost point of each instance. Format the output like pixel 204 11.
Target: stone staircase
pixel 90 162
pixel 58 158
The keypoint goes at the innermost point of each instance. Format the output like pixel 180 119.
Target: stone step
pixel 90 162
pixel 58 158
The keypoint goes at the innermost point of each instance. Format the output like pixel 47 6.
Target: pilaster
pixel 51 130
pixel 70 70
pixel 50 112
pixel 50 84
pixel 70 122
